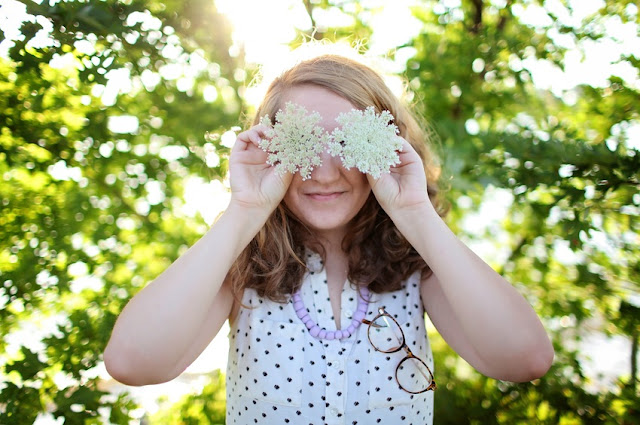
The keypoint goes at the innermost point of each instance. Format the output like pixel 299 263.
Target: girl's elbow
pixel 122 369
pixel 536 363
pixel 541 362
pixel 118 368
pixel 524 366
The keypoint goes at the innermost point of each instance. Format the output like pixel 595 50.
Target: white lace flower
pixel 296 140
pixel 367 141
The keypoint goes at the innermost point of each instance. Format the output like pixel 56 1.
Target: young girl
pixel 325 280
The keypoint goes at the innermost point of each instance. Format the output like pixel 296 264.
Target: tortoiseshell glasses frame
pixel 384 319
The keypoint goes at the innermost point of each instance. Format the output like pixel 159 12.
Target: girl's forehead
pixel 318 99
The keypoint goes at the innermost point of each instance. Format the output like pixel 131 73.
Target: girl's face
pixel 333 195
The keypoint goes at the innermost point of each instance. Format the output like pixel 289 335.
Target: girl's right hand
pixel 254 183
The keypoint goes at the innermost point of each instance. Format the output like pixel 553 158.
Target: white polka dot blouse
pixel 279 374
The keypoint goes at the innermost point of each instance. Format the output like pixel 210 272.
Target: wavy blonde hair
pixel 379 256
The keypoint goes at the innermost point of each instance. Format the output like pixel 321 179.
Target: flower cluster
pixel 295 141
pixel 366 140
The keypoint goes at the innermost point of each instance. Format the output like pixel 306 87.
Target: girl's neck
pixel 331 241
pixel 336 265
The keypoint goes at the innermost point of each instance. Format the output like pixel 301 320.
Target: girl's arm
pixel 168 324
pixel 477 312
pixel 153 336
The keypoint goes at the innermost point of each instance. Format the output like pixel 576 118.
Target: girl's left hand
pixel 404 188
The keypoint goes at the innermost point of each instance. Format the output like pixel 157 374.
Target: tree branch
pixel 314 28
pixel 504 16
pixel 477 17
pixel 634 362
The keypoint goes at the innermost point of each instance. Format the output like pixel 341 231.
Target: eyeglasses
pixel 386 336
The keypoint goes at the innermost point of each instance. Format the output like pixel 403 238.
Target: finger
pixel 250 136
pixel 262 129
pixel 408 154
pixel 255 134
pixel 252 155
pixel 406 146
pixel 240 144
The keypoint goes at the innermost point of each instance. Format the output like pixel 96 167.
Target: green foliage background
pixel 79 202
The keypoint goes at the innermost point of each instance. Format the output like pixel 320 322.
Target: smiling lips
pixel 324 196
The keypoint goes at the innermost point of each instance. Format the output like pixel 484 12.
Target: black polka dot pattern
pixel 279 374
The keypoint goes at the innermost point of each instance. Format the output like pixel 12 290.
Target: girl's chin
pixel 326 224
pixel 324 217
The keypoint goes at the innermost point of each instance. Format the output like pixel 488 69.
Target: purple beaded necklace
pixel 321 333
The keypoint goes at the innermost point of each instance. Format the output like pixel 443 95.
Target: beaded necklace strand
pixel 321 333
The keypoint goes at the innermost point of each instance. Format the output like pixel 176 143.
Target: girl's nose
pixel 329 170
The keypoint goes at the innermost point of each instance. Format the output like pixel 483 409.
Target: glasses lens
pixel 385 334
pixel 413 375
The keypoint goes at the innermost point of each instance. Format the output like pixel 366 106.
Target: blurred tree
pixel 100 127
pixel 568 166
pixel 204 408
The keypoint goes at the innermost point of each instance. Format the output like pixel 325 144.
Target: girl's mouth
pixel 324 196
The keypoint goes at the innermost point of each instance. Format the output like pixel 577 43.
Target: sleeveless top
pixel 278 373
